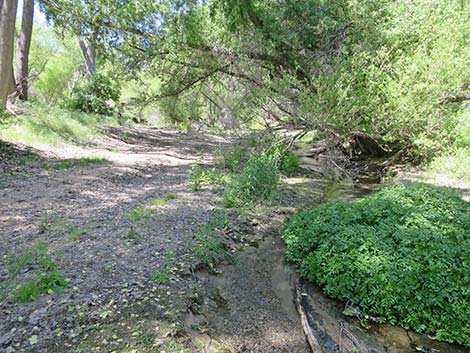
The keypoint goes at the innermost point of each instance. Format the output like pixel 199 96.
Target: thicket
pixel 402 254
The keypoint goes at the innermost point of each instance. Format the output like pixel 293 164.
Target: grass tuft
pixel 79 162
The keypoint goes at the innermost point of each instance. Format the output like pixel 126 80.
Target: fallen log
pixel 311 339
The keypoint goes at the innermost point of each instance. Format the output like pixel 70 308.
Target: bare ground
pixel 82 214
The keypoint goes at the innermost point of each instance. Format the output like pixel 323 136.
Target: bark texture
pixel 22 49
pixel 88 51
pixel 7 37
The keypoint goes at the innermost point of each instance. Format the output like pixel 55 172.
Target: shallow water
pixel 259 313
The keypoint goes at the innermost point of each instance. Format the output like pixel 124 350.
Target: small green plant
pixel 230 159
pixel 47 221
pixel 75 232
pixel 289 163
pixel 50 221
pixel 208 246
pixel 157 203
pixel 79 162
pixel 200 177
pixel 171 196
pixel 140 213
pixel 401 254
pixel 161 276
pixel 47 279
pixel 132 235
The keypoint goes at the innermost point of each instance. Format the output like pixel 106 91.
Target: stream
pixel 254 306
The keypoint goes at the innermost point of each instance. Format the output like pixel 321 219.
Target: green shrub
pixel 93 95
pixel 257 182
pixel 289 163
pixel 402 254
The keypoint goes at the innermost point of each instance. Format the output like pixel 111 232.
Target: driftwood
pixel 311 339
pixel 458 95
pixel 364 144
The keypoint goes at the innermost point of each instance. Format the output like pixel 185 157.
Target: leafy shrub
pixel 258 181
pixel 402 254
pixel 93 95
pixel 289 163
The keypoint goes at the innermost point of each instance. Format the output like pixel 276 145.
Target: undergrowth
pixel 402 254
pixel 52 126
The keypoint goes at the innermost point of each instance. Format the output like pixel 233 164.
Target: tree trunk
pixel 7 37
pixel 12 82
pixel 88 51
pixel 22 49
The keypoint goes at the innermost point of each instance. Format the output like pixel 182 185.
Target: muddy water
pixel 252 307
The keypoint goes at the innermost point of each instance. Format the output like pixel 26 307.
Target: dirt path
pixel 108 258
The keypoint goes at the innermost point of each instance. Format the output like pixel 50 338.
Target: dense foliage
pixel 97 94
pixel 402 254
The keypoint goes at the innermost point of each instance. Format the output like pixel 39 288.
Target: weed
pixel 51 282
pixel 75 232
pixel 157 203
pixel 132 235
pixel 161 276
pixel 208 247
pixel 200 177
pixel 47 279
pixel 171 196
pixel 47 221
pixel 140 213
pixel 79 162
pixel 51 221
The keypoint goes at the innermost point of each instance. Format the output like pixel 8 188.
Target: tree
pixel 22 50
pixel 7 35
